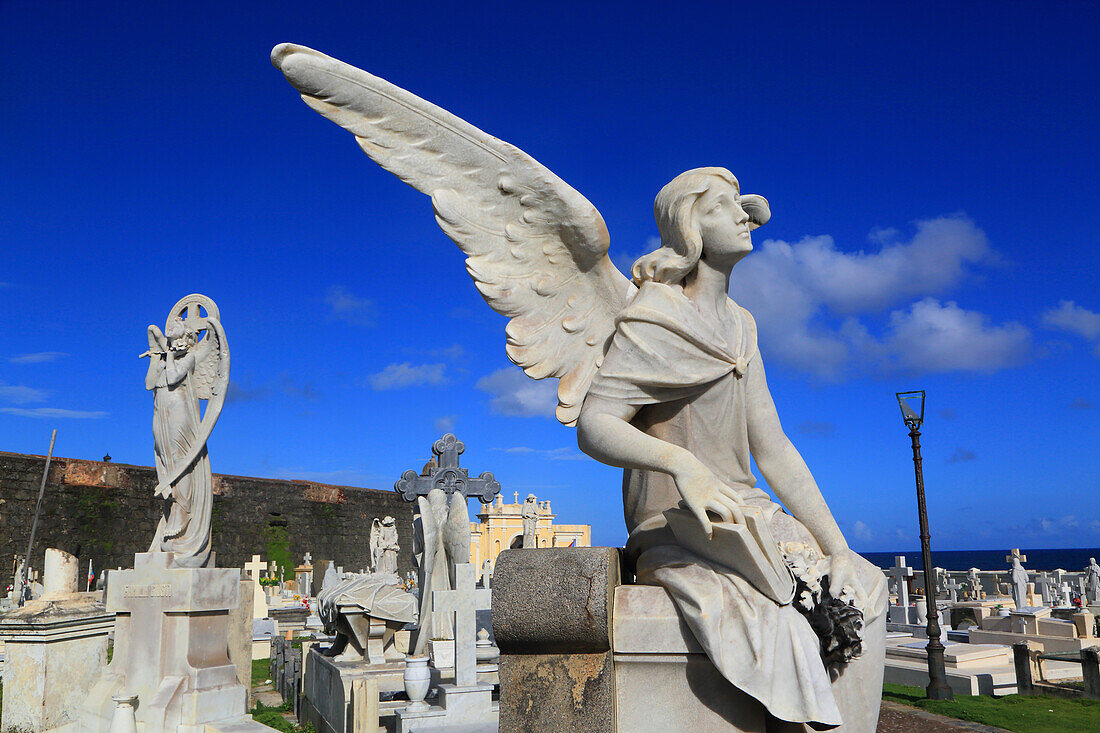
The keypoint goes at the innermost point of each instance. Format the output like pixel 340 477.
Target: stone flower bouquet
pixel 834 618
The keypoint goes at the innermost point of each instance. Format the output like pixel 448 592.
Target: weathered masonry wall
pixel 106 512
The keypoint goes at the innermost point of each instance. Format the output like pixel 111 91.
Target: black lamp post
pixel 937 677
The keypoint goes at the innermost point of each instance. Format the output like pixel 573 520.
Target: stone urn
pixel 418 678
pixel 123 719
pixel 922 611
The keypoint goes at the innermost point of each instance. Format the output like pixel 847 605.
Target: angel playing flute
pixel 182 371
pixel 662 376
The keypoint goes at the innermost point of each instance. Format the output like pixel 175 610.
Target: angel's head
pixel 700 214
pixel 181 337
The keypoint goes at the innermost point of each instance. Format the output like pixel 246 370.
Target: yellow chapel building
pixel 500 527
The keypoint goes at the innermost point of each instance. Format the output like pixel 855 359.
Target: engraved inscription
pixel 151 590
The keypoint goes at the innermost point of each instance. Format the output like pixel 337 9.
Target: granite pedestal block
pixel 552 621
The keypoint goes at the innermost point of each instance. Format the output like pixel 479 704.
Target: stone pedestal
pixel 54 651
pixel 552 616
pixel 465 708
pixel 327 685
pixel 663 679
pixel 171 640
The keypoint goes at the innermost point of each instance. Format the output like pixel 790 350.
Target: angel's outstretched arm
pixel 782 465
pixel 605 433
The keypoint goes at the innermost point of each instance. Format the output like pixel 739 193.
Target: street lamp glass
pixel 912 407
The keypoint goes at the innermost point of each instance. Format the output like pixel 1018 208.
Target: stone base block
pixel 557 692
pixel 682 692
pixel 327 686
pixel 171 648
pixel 54 653
pixel 460 708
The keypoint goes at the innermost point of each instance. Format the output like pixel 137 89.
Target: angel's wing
pixel 536 249
pixel 211 375
pixel 157 343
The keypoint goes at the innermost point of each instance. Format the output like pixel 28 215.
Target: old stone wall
pixel 106 512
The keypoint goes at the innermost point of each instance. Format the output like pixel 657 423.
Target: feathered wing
pixel 536 248
pixel 211 376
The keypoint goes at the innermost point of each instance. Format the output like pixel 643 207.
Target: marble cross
pixel 1015 553
pixel 900 573
pixel 1066 600
pixel 464 602
pixel 447 475
pixel 255 568
pixel 952 587
pixel 1045 587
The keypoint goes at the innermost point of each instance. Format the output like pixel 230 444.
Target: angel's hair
pixel 681 243
pixel 178 328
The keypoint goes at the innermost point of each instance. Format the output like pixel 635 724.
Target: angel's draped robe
pixel 684 373
pixel 184 528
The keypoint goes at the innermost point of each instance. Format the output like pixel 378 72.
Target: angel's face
pixel 723 224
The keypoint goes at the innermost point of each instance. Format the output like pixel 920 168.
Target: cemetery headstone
pixel 900 573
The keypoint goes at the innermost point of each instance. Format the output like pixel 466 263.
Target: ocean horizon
pixel 1038 559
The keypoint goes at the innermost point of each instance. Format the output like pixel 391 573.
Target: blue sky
pixel 931 172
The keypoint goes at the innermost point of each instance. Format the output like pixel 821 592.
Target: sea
pixel 1037 559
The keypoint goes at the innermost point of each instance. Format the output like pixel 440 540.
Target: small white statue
pixel 529 513
pixel 1092 573
pixel 383 546
pixel 1019 581
pixel 661 375
pixel 188 362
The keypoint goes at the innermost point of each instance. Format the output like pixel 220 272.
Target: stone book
pixel 748 549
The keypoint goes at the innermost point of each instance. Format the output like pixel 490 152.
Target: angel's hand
pixel 702 492
pixel 844 580
pixel 163 491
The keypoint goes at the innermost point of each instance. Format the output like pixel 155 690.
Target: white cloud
pixel 19 394
pixel 445 424
pixel 553 454
pixel 37 357
pixel 517 395
pixel 406 374
pixel 797 291
pixel 930 337
pixel 1069 316
pixel 861 531
pixel 54 412
pixel 347 306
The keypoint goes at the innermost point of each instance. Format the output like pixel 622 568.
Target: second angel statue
pixel 661 375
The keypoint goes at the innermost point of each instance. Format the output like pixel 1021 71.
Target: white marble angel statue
pixel 661 375
pixel 384 546
pixel 188 362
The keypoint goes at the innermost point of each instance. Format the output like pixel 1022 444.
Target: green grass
pixel 1023 714
pixel 260 671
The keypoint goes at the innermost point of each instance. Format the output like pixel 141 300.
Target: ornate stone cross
pixel 1015 553
pixel 464 602
pixel 447 475
pixel 900 573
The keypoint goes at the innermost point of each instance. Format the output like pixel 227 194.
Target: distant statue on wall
pixel 188 362
pixel 1092 573
pixel 530 515
pixel 383 546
